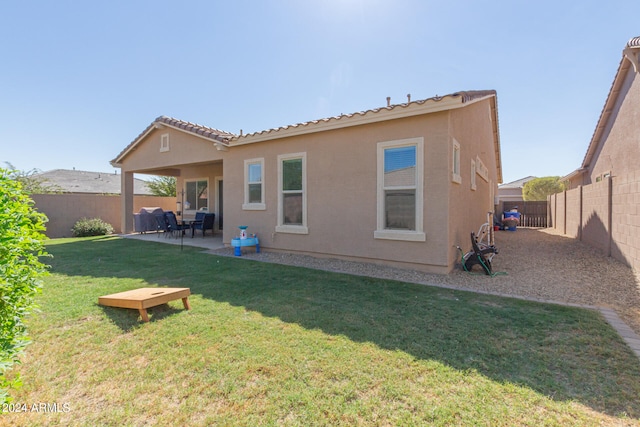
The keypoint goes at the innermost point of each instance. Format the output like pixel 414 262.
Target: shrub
pixel 21 245
pixel 91 227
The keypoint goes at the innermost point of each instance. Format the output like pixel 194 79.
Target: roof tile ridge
pixel 465 95
pixel 183 124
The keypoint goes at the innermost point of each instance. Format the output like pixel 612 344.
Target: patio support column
pixel 126 204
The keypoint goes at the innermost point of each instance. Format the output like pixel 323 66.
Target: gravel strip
pixel 539 265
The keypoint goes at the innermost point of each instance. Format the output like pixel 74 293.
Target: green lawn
pixel 275 345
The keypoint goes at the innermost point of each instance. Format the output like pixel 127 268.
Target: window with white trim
pixel 400 196
pixel 254 185
pixel 164 142
pixel 196 195
pixel 455 177
pixel 292 193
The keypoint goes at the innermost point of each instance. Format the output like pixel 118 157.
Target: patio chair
pixel 203 223
pixel 173 225
pixel 162 225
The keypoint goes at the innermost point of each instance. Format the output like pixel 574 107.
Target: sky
pixel 80 80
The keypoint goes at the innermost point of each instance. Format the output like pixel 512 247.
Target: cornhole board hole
pixel 144 298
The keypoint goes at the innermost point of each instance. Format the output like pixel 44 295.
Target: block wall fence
pixel 605 215
pixel 64 210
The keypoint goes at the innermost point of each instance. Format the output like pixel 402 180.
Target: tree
pixel 21 246
pixel 539 188
pixel 163 186
pixel 30 182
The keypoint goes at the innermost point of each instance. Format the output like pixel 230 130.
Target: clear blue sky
pixel 80 80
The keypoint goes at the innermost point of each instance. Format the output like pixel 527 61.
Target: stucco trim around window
pixel 291 191
pixel 254 185
pixel 473 174
pixel 393 180
pixel 455 167
pixel 164 142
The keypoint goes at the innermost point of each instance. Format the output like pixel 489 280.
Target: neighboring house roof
pixel 630 58
pixel 516 184
pixel 76 181
pixel 219 137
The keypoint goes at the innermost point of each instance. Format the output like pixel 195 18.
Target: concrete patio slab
pixel 208 242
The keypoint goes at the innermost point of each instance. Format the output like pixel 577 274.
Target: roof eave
pixel 573 174
pixel 630 56
pixel 397 111
pixel 496 138
pixel 606 112
pixel 162 122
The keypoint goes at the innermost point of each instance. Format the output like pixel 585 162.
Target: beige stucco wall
pixel 341 192
pixel 64 210
pixel 184 149
pixel 341 172
pixel 472 128
pixel 342 183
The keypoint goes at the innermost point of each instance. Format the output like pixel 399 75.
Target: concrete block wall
pixel 608 215
pixel 596 216
pixel 64 210
pixel 559 222
pixel 625 223
pixel 573 212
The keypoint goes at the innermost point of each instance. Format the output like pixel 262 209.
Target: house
pixel 615 143
pixel 84 182
pixel 601 205
pixel 512 191
pixel 400 185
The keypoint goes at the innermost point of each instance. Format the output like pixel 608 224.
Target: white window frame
pixel 417 235
pixel 473 175
pixel 191 209
pixel 455 167
pixel 164 142
pixel 289 228
pixel 256 206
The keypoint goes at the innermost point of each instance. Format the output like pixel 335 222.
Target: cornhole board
pixel 144 298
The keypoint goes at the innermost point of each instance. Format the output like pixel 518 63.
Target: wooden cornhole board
pixel 144 298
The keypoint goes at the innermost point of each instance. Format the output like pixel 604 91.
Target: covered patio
pixel 191 153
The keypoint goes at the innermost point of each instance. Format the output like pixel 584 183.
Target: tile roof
pixel 215 135
pixel 518 183
pixel 463 96
pixel 76 181
pixel 226 139
pixel 208 132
